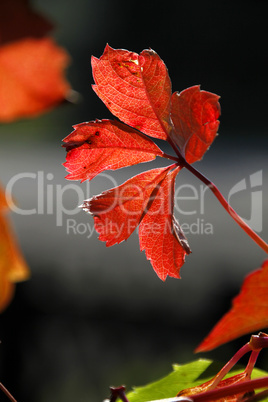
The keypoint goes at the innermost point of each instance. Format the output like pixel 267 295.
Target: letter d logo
pixel 255 221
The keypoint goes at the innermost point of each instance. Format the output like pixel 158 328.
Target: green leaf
pixel 183 376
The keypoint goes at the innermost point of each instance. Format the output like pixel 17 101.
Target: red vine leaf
pixel 31 77
pixel 144 199
pixel 249 312
pixel 117 212
pixel 12 265
pixel 135 88
pixel 96 146
pixel 160 234
pixel 194 114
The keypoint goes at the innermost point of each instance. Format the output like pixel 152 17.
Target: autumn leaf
pixel 31 77
pixel 249 312
pixel 160 234
pixel 105 144
pixel 13 268
pixel 194 114
pixel 117 212
pixel 145 199
pixel 3 200
pixel 136 88
pixel 31 66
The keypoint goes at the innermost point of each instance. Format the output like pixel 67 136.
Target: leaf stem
pixel 174 399
pixel 228 208
pixel 229 365
pixel 233 389
pixel 252 361
pixel 118 392
pixel 259 341
pixel 8 394
pixel 182 162
pixel 257 397
pixel 173 158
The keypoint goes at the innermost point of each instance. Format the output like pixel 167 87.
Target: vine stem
pixel 258 397
pixel 233 389
pixel 183 163
pixel 228 366
pixel 8 394
pixel 255 345
pixel 228 207
pixel 118 392
pixel 211 395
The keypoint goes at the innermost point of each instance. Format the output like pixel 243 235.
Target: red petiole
pixel 256 343
pixel 182 162
pixel 7 393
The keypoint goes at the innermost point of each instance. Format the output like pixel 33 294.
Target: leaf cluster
pixel 136 88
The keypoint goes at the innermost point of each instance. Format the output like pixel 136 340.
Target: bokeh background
pixel 92 316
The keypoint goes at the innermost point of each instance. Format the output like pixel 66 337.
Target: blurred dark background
pixel 92 316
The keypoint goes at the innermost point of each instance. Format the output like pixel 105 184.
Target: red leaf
pixel 31 77
pixel 194 114
pixel 12 265
pixel 18 20
pixel 117 212
pixel 145 199
pixel 160 234
pixel 96 146
pixel 206 386
pixel 135 88
pixel 249 312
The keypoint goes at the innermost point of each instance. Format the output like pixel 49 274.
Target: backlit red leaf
pixel 194 114
pixel 160 234
pixel 12 265
pixel 135 88
pixel 117 212
pixel 249 312
pixel 146 199
pixel 96 146
pixel 31 77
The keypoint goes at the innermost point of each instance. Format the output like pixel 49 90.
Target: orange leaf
pixel 135 88
pixel 117 212
pixel 146 199
pixel 194 114
pixel 249 312
pixel 160 234
pixel 12 265
pixel 105 144
pixel 31 77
